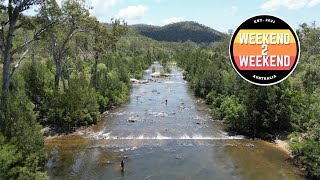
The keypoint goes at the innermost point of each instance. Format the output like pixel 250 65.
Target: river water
pixel 159 140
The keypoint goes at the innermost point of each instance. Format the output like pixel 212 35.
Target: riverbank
pixel 53 132
pixel 50 133
pixel 283 145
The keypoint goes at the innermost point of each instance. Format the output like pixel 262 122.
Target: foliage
pixel 234 113
pixel 76 107
pixel 22 136
pixel 61 68
pixel 263 112
pixel 307 152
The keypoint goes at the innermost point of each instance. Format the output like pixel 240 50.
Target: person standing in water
pixel 122 165
pixel 166 101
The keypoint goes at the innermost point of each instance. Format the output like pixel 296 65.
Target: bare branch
pixel 25 5
pixel 4 23
pixel 19 62
pixel 69 36
pixel 35 37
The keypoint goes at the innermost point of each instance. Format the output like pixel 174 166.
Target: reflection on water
pixel 177 140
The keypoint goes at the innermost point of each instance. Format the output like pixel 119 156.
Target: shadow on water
pixel 158 140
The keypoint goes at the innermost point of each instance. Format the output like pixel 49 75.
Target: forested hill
pixel 180 32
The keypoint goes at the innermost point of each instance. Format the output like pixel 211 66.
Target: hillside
pixel 180 32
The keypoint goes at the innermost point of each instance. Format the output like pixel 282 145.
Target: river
pixel 159 140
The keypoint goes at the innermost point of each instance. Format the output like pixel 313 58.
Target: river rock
pixel 134 80
pixel 155 74
pixel 107 162
pixel 250 145
pixel 132 119
pixel 178 157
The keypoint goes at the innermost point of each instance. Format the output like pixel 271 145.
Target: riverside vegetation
pixel 61 68
pixel 291 107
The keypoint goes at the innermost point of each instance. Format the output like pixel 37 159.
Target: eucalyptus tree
pixel 19 128
pixel 100 43
pixel 14 49
pixel 104 38
pixel 12 20
pixel 73 17
pixel 118 29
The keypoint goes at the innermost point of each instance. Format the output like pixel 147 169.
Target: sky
pixel 217 14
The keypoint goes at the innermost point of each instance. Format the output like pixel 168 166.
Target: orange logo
pixel 264 50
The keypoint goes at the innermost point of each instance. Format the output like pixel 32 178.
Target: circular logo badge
pixel 264 50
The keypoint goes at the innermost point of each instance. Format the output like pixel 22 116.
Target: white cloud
pixel 132 12
pixel 272 5
pixel 313 3
pixel 100 6
pixel 173 20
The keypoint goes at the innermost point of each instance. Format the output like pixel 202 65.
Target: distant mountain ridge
pixel 179 32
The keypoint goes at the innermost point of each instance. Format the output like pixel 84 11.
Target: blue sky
pixel 220 15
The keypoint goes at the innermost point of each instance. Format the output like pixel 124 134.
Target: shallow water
pixel 177 140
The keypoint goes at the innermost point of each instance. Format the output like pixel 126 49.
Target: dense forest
pixel 288 108
pixel 180 32
pixel 62 68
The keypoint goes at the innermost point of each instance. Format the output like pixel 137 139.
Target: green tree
pixel 14 20
pixel 22 132
pixel 234 114
pixel 72 18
